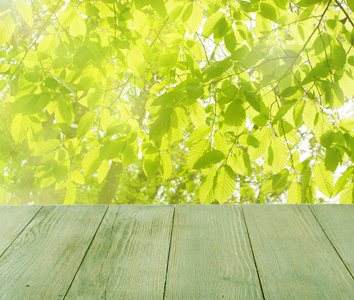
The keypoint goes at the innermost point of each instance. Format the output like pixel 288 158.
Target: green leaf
pixel 197 113
pixel 166 165
pixel 305 182
pixel 64 111
pixel 221 28
pixel 91 161
pixel 347 124
pixel 324 179
pixel 310 111
pixel 279 180
pixel 31 103
pixel 298 113
pixel 130 155
pixel 196 17
pixel 7 27
pixel 85 124
pixel 294 193
pixel 206 193
pixel 47 46
pixel 264 137
pixel 254 101
pixel 45 147
pixel 19 128
pixel 159 7
pixel 150 166
pixel 339 57
pixel 198 134
pixel 194 90
pixel 235 114
pixel 105 119
pixel 283 110
pixel 209 159
pixel 197 151
pixel 318 72
pixel 60 173
pixel 334 96
pixel 351 4
pixel 307 3
pixel 70 195
pixel 268 11
pixel 323 130
pixel 216 69
pixel 162 124
pixel 277 155
pixel 102 171
pixel 343 180
pixel 346 196
pixel 151 159
pixel 113 149
pixel 67 16
pixel 331 159
pixel 168 99
pixel 51 83
pixel 77 26
pixel 88 9
pixel 77 177
pixel 136 62
pixel 210 23
pixel 225 183
pixel 26 12
pixel 289 91
pixel 220 143
pixel 230 41
pixel 327 138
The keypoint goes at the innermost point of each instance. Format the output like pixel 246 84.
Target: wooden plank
pixel 210 255
pixel 13 219
pixel 128 257
pixel 338 223
pixel 294 258
pixel 42 261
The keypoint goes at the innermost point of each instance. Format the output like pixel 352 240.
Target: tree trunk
pixel 110 186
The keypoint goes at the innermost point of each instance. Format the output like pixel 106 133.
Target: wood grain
pixel 295 260
pixel 42 261
pixel 338 223
pixel 128 257
pixel 13 219
pixel 210 255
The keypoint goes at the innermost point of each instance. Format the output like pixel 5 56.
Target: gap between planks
pixel 169 251
pixel 253 256
pixel 330 241
pixel 20 232
pixel 88 248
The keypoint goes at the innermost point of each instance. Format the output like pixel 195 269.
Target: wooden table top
pixel 177 252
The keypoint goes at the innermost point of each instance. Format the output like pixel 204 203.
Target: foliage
pixel 176 101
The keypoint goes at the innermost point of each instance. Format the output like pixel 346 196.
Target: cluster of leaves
pixel 154 101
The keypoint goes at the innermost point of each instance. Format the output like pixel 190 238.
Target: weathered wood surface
pixel 42 261
pixel 337 221
pixel 210 255
pixel 177 252
pixel 13 220
pixel 128 258
pixel 295 259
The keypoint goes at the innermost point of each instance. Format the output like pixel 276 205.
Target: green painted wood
pixel 295 260
pixel 210 255
pixel 13 219
pixel 338 223
pixel 128 257
pixel 42 261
